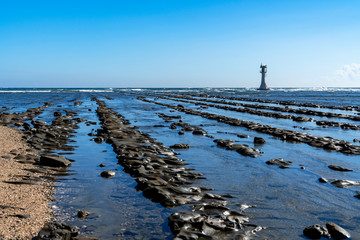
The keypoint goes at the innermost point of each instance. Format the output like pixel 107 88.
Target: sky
pixel 179 43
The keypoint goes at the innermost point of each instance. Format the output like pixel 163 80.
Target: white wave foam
pixel 23 91
pixel 91 90
pixel 317 89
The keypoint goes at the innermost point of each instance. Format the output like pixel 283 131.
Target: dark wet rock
pixel 101 165
pixel 181 132
pixel 331 146
pixel 336 231
pixel 19 157
pixel 280 162
pixel 345 183
pixel 302 119
pixel 57 231
pixel 18 124
pixel 246 150
pixel 178 220
pixel 38 123
pixel 316 232
pixel 14 152
pixel 199 132
pixel 208 206
pixel 82 214
pixel 169 117
pixel 243 149
pixel 21 216
pixel 188 129
pixel 242 136
pixel 180 146
pixel 54 161
pixel 6 157
pixel 200 226
pixel 323 180
pixel 25 181
pixel 26 126
pixel 159 125
pixel 108 174
pixel 223 143
pixel 57 114
pixel 339 168
pixel 213 196
pixel 6 207
pixel 259 140
pixel 356 140
pixel 357 195
pixel 99 140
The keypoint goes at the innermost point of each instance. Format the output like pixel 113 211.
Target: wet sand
pixel 23 207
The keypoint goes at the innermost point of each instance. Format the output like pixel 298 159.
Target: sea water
pixel 286 200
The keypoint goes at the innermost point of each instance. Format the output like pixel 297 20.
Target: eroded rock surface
pixel 280 162
pixel 53 160
pixel 243 149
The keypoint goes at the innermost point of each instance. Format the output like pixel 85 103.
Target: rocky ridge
pixel 163 178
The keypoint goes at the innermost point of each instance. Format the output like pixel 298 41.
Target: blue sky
pixel 179 43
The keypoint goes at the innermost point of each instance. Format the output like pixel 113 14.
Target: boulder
pixel 339 168
pixel 357 195
pixel 345 183
pixel 280 162
pixel 180 146
pixel 199 132
pixel 315 232
pixel 57 231
pixel 259 140
pixel 82 214
pixel 336 231
pixel 323 180
pixel 53 160
pixel 99 139
pixel 246 150
pixel 108 174
pixel 243 136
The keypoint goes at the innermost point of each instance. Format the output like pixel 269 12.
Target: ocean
pixel 284 200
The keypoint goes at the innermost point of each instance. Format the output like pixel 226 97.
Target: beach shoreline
pixel 24 194
pixel 230 157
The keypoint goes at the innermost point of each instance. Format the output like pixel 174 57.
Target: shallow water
pixel 286 200
pixel 311 127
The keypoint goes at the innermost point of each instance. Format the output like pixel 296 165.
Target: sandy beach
pixel 23 207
